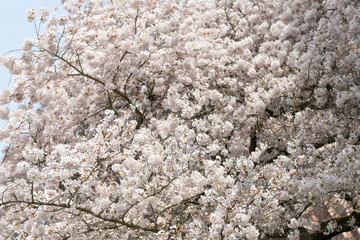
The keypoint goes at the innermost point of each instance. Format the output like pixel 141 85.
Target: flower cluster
pixel 144 119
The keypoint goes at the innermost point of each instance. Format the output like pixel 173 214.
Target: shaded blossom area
pixel 184 119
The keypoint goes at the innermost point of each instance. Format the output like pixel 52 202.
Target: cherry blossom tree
pixel 184 119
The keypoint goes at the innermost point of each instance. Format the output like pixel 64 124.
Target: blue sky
pixel 14 28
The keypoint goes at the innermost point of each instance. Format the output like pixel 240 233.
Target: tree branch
pixel 136 18
pixel 140 115
pixel 84 210
pixel 344 224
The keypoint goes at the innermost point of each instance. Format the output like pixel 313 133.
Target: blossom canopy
pixel 184 119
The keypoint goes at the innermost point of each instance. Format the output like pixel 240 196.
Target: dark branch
pixel 253 140
pixel 344 224
pixel 84 210
pixel 140 115
pixel 136 18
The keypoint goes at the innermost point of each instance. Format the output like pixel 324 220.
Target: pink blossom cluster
pixel 183 119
